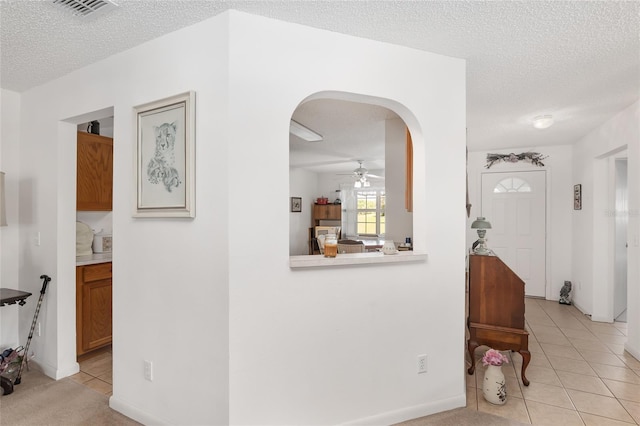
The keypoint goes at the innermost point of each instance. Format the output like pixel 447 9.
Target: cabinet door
pixel 93 306
pixel 319 212
pixel 333 211
pixel 326 211
pixel 94 181
pixel 96 314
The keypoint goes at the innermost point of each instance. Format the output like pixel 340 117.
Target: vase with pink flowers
pixel 494 387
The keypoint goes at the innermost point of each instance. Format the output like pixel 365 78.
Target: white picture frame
pixel 165 157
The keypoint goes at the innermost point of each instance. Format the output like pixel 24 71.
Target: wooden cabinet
pixel 326 212
pixel 93 307
pixel 496 309
pixel 322 212
pixel 94 175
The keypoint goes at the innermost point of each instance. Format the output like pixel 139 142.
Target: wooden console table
pixel 496 309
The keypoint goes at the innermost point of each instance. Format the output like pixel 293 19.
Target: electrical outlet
pixel 39 330
pixel 148 370
pixel 37 240
pixel 422 364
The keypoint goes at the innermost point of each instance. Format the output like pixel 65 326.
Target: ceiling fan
pixel 361 176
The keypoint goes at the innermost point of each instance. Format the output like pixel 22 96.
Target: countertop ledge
pixel 319 261
pixel 93 259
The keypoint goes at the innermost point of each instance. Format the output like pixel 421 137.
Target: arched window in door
pixel 512 184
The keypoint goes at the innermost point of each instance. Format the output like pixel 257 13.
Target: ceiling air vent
pixel 85 8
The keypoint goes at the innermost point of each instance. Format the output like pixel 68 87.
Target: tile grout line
pixel 588 363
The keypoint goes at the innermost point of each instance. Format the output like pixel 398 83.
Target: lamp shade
pixel 3 211
pixel 481 223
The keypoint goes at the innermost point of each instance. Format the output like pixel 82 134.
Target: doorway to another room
pixel 620 246
pixel 94 244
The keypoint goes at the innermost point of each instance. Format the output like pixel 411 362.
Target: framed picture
pixel 577 197
pixel 296 204
pixel 165 157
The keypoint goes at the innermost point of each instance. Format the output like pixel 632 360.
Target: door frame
pixel 603 268
pixel 620 275
pixel 547 194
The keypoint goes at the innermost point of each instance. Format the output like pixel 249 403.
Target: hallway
pixel 579 372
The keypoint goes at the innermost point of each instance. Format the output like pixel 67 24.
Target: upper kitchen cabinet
pixel 94 186
pixel 326 212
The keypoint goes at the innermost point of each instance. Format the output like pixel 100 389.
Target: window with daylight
pixel 370 215
pixel 512 185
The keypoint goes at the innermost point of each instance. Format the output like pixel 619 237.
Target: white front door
pixel 515 205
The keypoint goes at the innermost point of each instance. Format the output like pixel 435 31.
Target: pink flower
pixel 493 357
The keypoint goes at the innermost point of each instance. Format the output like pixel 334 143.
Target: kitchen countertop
pixel 319 261
pixel 92 259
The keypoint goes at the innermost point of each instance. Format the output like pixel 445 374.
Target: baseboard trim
pixel 67 371
pixel 602 319
pixel 390 417
pixel 409 413
pixel 581 309
pixel 635 352
pixel 135 413
pixel 56 373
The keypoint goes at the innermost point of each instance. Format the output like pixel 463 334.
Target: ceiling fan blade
pixel 360 173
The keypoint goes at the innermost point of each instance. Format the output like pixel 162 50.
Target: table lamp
pixel 481 224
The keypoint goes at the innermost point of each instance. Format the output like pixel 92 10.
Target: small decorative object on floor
pixel 565 296
pixel 494 387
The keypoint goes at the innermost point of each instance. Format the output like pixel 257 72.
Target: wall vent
pixel 85 8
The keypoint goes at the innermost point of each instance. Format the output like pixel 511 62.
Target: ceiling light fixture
pixel 543 121
pixel 304 132
pixel 362 182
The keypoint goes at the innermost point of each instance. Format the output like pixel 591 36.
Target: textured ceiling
pixel 577 60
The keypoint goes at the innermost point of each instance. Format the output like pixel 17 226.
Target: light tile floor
pixel 96 370
pixel 579 372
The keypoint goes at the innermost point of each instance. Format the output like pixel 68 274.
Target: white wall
pixel 592 257
pixel 631 116
pixel 335 345
pixel 9 254
pixel 302 184
pixel 170 277
pixel 235 335
pixel 399 222
pixel 558 166
pixel 96 220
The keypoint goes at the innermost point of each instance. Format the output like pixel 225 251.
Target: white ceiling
pixel 576 60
